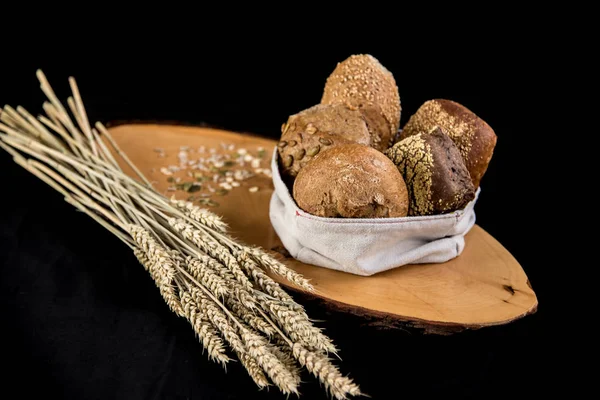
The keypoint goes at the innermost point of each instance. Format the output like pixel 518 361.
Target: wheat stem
pixel 107 134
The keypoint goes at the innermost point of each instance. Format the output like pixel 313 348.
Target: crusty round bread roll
pixel 363 83
pixel 316 129
pixel 351 181
pixel 437 179
pixel 473 136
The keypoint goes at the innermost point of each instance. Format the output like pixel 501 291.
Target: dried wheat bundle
pixel 219 285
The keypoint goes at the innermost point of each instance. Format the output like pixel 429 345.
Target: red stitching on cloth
pixel 383 220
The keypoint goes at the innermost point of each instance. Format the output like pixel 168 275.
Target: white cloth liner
pixel 366 246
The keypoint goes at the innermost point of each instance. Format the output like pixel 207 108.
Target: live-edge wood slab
pixel 484 286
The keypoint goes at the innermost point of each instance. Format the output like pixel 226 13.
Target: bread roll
pixel 363 83
pixel 351 181
pixel 474 137
pixel 437 179
pixel 316 129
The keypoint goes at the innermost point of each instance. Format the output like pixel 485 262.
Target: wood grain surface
pixel 484 286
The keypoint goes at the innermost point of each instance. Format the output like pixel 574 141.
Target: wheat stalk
pixel 219 285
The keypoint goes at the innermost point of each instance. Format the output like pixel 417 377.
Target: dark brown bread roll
pixel 437 179
pixel 351 181
pixel 362 83
pixel 473 136
pixel 316 129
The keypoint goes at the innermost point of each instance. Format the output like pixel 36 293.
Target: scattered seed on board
pixel 225 164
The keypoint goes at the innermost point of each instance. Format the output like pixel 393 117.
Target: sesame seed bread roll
pixel 351 181
pixel 362 83
pixel 473 136
pixel 437 179
pixel 316 129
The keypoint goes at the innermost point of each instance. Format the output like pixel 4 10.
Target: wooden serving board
pixel 484 286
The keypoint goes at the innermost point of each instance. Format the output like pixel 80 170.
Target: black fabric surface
pixel 83 317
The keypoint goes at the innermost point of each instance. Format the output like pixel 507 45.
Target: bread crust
pixel 363 83
pixel 351 181
pixel 317 129
pixel 437 179
pixel 474 138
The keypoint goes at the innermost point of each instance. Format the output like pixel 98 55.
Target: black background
pixel 82 316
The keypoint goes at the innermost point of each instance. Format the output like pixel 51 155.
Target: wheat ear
pixel 320 366
pixel 230 334
pixel 201 215
pixel 285 380
pixel 205 331
pixel 270 263
pixel 208 277
pixel 209 246
pixel 166 288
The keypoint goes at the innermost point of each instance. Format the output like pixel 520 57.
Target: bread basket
pixel 366 246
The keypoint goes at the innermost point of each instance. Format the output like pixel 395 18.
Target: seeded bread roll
pixel 437 179
pixel 351 181
pixel 473 136
pixel 361 82
pixel 316 129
